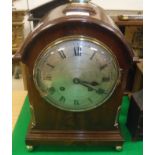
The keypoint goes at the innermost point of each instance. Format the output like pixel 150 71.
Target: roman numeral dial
pixel 105 79
pixel 91 58
pixel 76 102
pixel 77 51
pixel 76 74
pixel 62 99
pixel 62 54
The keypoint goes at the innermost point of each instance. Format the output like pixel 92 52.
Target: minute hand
pixel 99 91
pixel 84 83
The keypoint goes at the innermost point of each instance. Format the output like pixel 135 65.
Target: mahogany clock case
pixel 50 125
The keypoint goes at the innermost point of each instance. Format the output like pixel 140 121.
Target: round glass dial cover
pixel 76 73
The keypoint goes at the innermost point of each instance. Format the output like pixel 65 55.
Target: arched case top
pixel 76 19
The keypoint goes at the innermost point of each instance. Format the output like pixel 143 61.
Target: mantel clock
pixel 77 62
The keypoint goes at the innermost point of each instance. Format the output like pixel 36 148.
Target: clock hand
pixel 77 81
pixel 98 91
pixel 93 83
pixel 88 86
pixel 84 83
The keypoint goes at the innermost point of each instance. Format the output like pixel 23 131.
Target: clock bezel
pixel 81 38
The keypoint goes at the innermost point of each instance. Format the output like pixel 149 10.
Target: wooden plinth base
pixel 39 137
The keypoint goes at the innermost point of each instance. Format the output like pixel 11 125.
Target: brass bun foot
pixel 29 148
pixel 119 148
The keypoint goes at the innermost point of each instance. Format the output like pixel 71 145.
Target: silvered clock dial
pixel 76 73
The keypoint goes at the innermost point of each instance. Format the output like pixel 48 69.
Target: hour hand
pixel 84 83
pixel 93 83
pixel 78 81
pixel 90 87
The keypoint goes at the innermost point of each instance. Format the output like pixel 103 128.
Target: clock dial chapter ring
pixel 76 73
